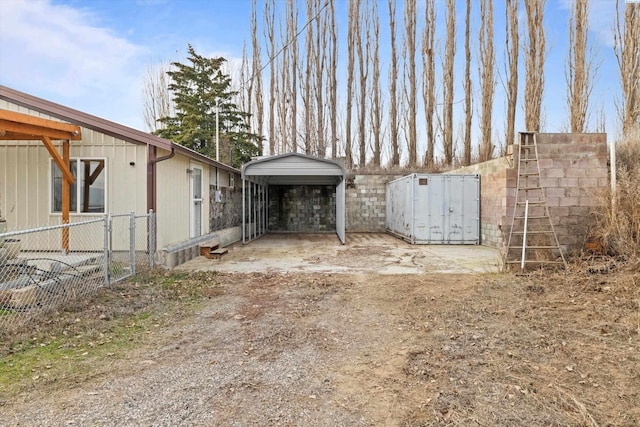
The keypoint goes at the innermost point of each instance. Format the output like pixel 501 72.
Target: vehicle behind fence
pixel 44 268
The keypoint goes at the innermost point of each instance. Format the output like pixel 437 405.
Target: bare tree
pixel 534 64
pixel 307 85
pixel 269 16
pixel 512 41
pixel 627 50
pixel 332 75
pixel 487 76
pixel 156 96
pixel 283 78
pixel 393 80
pixel 429 78
pixel 319 63
pixel 468 109
pixel 292 92
pixel 256 78
pixel 245 93
pixel 410 70
pixel 351 39
pixel 447 75
pixel 580 67
pixel 362 36
pixel 376 107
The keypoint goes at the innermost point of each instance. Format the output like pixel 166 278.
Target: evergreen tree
pixel 200 88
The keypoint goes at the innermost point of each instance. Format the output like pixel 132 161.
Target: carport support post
pixel 244 219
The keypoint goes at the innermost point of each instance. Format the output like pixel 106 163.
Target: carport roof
pixel 294 169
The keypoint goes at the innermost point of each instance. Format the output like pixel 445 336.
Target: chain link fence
pixel 43 268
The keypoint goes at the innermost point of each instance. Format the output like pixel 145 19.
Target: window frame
pixel 77 211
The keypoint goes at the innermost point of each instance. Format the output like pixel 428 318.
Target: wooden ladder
pixel 532 237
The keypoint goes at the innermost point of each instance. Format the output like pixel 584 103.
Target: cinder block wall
pixel 302 208
pixel 496 177
pixel 366 203
pixel 573 169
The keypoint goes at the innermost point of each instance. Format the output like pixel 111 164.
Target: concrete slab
pixel 371 253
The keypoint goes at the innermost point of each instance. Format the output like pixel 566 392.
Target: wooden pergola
pixel 23 127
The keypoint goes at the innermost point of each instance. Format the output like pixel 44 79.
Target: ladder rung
pixel 533 247
pixel 533 261
pixel 527 145
pixel 528 160
pixel 533 217
pixel 528 173
pixel 539 202
pixel 529 188
pixel 533 232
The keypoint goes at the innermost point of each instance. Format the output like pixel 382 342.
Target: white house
pixel 113 169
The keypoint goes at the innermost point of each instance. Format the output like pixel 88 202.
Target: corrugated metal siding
pixel 25 180
pixel 432 209
pixel 174 200
pixel 293 165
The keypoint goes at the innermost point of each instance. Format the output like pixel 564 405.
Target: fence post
pixel 132 242
pixel 152 237
pixel 105 256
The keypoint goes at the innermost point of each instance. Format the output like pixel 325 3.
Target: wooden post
pixel 65 197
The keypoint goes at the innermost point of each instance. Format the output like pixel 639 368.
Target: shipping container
pixel 434 209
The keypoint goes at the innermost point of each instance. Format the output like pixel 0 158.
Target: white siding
pixel 173 199
pixel 25 177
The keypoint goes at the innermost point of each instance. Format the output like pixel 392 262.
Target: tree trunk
pixel 429 78
pixel 468 111
pixel 512 41
pixel 447 72
pixel 393 80
pixel 410 64
pixel 534 64
pixel 487 61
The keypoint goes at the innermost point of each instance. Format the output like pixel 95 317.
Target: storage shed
pixel 434 209
pixel 293 193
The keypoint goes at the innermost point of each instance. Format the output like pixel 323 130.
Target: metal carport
pixel 287 169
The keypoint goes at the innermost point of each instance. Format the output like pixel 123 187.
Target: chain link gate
pixel 37 276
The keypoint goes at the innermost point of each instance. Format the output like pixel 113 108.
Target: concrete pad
pixel 371 253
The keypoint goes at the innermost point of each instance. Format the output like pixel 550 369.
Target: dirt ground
pixel 371 253
pixel 285 348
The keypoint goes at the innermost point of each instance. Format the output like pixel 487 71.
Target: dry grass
pixel 619 229
pixel 316 349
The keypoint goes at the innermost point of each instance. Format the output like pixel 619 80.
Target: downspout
pixel 151 176
pixel 151 182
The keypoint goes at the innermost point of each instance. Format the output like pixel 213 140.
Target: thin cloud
pixel 65 50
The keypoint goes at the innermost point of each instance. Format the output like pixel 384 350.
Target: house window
pixel 87 193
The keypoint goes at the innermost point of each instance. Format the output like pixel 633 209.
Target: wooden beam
pixel 64 167
pixel 96 173
pixel 13 116
pixel 34 132
pixel 66 183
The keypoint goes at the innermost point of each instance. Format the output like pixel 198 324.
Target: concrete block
pixel 567 182
pixel 553 201
pixel 575 173
pixel 569 201
pixel 552 173
pixel 549 182
pixel 588 182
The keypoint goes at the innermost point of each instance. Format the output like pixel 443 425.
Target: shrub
pixel 619 228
